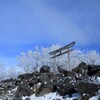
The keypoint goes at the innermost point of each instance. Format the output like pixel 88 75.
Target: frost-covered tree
pixel 33 60
pixel 89 57
pixel 12 73
pixel 92 57
pixel 26 61
pixel 2 72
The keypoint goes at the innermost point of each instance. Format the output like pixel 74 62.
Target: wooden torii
pixel 61 51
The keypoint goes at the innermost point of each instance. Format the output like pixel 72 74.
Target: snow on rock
pixel 93 79
pixel 52 96
pixel 15 89
pixel 95 98
pixel 98 79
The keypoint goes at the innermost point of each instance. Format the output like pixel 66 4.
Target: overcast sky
pixel 26 23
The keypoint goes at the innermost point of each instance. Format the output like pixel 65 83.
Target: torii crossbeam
pixel 61 51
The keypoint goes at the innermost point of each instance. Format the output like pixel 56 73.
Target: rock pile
pixel 82 79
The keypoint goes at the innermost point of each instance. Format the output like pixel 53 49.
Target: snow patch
pixel 94 98
pixel 52 96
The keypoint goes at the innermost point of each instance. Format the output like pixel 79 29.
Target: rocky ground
pixel 84 80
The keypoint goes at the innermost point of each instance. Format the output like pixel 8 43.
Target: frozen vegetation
pixel 39 79
pixel 34 59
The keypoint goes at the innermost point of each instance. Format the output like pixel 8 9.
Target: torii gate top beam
pixel 60 51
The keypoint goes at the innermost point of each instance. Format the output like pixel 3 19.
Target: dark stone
pixel 82 64
pixel 35 73
pixel 8 80
pixel 8 86
pixel 64 88
pixel 82 69
pixel 27 99
pixel 85 97
pixel 46 77
pixel 97 74
pixel 11 86
pixel 89 67
pixel 1 84
pixel 33 81
pixel 1 91
pixel 25 76
pixel 44 89
pixel 64 83
pixel 44 69
pixel 93 69
pixel 57 77
pixel 18 82
pixel 93 72
pixel 23 90
pixel 15 98
pixel 66 72
pixel 87 88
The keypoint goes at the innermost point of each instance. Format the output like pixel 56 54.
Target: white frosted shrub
pixel 33 60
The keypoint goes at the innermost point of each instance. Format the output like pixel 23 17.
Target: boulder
pixel 35 73
pixel 18 82
pixel 27 99
pixel 44 89
pixel 9 86
pixel 81 69
pixel 23 90
pixel 93 70
pixel 97 74
pixel 83 79
pixel 85 97
pixel 1 91
pixel 8 81
pixel 33 81
pixel 64 87
pixel 87 88
pixel 82 64
pixel 57 77
pixel 2 84
pixel 46 77
pixel 26 76
pixel 44 69
pixel 65 72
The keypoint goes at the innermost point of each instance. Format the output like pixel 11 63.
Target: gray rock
pixel 65 88
pixel 35 73
pixel 18 82
pixel 33 81
pixel 46 77
pixel 81 69
pixel 44 69
pixel 23 90
pixel 87 88
pixel 66 73
pixel 25 76
pixel 44 89
pixel 27 99
pixel 8 81
pixel 94 70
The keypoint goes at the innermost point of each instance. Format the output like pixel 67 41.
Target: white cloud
pixel 48 22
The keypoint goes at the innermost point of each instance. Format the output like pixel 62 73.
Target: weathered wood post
pixel 68 55
pixel 62 51
pixel 55 64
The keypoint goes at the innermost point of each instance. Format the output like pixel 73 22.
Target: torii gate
pixel 61 51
